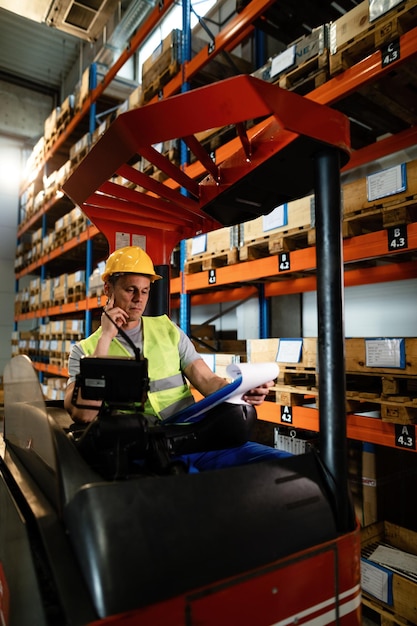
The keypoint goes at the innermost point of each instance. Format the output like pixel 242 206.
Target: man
pixel 172 358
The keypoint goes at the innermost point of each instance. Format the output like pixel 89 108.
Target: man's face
pixel 131 293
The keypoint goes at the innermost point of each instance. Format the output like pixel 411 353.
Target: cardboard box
pixel 348 26
pixel 356 356
pixel 357 194
pixel 266 350
pixel 212 242
pixel 298 214
pixel 298 52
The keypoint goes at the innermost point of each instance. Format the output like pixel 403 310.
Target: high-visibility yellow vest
pixel 168 390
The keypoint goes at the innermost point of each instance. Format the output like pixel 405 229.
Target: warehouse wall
pixel 10 165
pixel 379 310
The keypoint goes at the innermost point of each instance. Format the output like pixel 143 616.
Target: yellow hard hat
pixel 130 260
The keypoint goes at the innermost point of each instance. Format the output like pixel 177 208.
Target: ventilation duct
pixel 81 18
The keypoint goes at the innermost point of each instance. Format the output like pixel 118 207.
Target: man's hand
pixel 257 396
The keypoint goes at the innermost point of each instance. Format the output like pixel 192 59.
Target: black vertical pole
pixel 159 301
pixel 331 356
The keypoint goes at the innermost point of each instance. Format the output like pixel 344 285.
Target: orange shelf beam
pixel 54 370
pixel 359 428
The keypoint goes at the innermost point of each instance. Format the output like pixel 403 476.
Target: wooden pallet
pixel 372 219
pixel 395 398
pixel 269 244
pixel 78 156
pixel 307 76
pixel 394 395
pixel 208 261
pixel 76 292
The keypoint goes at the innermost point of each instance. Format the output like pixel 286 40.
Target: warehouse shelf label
pixel 397 237
pixel 284 263
pixel 289 350
pixel 391 53
pixel 377 581
pixel 385 352
pixel 277 218
pixel 286 414
pixel 405 436
pixel 387 182
pixel 212 277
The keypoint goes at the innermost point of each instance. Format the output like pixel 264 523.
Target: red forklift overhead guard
pixel 269 161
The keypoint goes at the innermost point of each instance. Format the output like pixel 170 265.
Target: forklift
pixel 270 543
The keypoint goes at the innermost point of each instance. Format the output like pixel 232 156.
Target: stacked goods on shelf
pixel 100 130
pixel 67 288
pixel 26 342
pixel 389 572
pixel 48 292
pixel 21 302
pixel 353 36
pixel 56 339
pixel 214 249
pixel 50 343
pixel 381 374
pixel 70 225
pixel 162 65
pixel 95 283
pixel 57 121
pixel 221 344
pixel 287 227
pixel 79 149
pixel 54 182
pixel 23 253
pixel 35 161
pixel 302 66
pixel 53 388
pixel 135 99
pixel 28 202
pixel 218 349
pixel 380 200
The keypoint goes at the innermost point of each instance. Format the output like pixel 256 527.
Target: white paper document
pixel 395 559
pixel 253 375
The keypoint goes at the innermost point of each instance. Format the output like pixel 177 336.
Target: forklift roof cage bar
pixel 277 146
